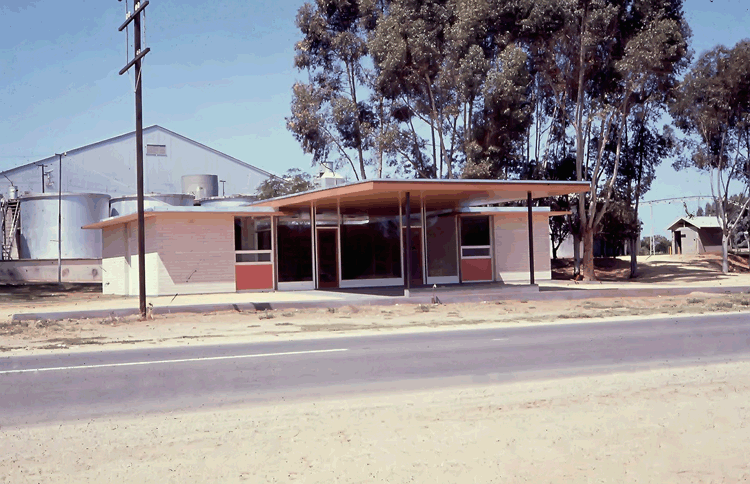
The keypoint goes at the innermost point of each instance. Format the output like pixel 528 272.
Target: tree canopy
pixel 463 88
pixel 712 107
pixel 293 181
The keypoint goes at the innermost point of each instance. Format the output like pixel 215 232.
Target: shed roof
pixel 702 222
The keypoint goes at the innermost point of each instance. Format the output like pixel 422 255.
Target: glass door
pixel 476 249
pixel 328 267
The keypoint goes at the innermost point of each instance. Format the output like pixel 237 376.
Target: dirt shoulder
pixel 670 425
pixel 27 337
pixel 41 336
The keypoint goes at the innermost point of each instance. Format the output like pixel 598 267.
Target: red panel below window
pixel 476 270
pixel 254 277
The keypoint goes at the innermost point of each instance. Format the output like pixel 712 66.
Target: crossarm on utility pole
pixel 136 13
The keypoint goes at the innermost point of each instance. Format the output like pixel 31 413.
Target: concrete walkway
pixel 547 290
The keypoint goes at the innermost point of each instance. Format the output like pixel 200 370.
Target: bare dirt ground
pixel 658 268
pixel 678 425
pixel 667 425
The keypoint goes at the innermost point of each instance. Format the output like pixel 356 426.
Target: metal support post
pixel 407 246
pixel 531 240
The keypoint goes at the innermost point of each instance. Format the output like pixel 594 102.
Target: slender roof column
pixel 531 240
pixel 407 246
pixel 314 245
pixel 401 234
pixel 423 239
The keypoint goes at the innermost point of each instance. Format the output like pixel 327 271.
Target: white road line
pixel 157 362
pixel 500 339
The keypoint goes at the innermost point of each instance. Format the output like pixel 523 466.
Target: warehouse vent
pixel 156 150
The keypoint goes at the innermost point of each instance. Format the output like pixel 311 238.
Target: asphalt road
pixel 36 389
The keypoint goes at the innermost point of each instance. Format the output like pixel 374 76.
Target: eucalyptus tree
pixel 643 151
pixel 293 181
pixel 411 47
pixel 606 58
pixel 333 113
pixel 712 106
pixel 460 87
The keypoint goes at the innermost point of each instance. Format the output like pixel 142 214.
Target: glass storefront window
pixel 442 254
pixel 252 233
pixel 475 231
pixel 294 245
pixel 467 252
pixel 370 246
pixel 263 257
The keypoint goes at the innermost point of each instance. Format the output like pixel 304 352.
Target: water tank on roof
pixel 201 186
pixel 129 204
pixel 329 179
pixel 39 219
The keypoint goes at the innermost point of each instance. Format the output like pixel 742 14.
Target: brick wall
pixel 195 254
pixel 152 286
pixel 512 248
pixel 184 255
pixel 115 260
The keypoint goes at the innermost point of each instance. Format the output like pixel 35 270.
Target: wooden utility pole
pixel 139 55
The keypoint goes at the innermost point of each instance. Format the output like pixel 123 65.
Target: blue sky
pixel 219 72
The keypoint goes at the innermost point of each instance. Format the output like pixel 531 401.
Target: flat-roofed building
pixel 367 234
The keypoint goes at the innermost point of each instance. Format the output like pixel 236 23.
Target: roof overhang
pixel 511 211
pixel 185 212
pixel 437 194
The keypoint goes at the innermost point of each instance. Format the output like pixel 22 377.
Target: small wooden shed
pixel 696 235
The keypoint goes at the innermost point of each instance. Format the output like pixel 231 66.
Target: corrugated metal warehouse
pixel 109 167
pixel 177 171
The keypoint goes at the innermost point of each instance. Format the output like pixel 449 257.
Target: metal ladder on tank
pixel 9 231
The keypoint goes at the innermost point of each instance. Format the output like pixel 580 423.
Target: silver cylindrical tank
pixel 232 201
pixel 129 204
pixel 39 225
pixel 201 186
pixel 12 192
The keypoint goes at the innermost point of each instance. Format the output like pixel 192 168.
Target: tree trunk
pixel 634 257
pixel 554 252
pixel 576 254
pixel 724 254
pixel 587 271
